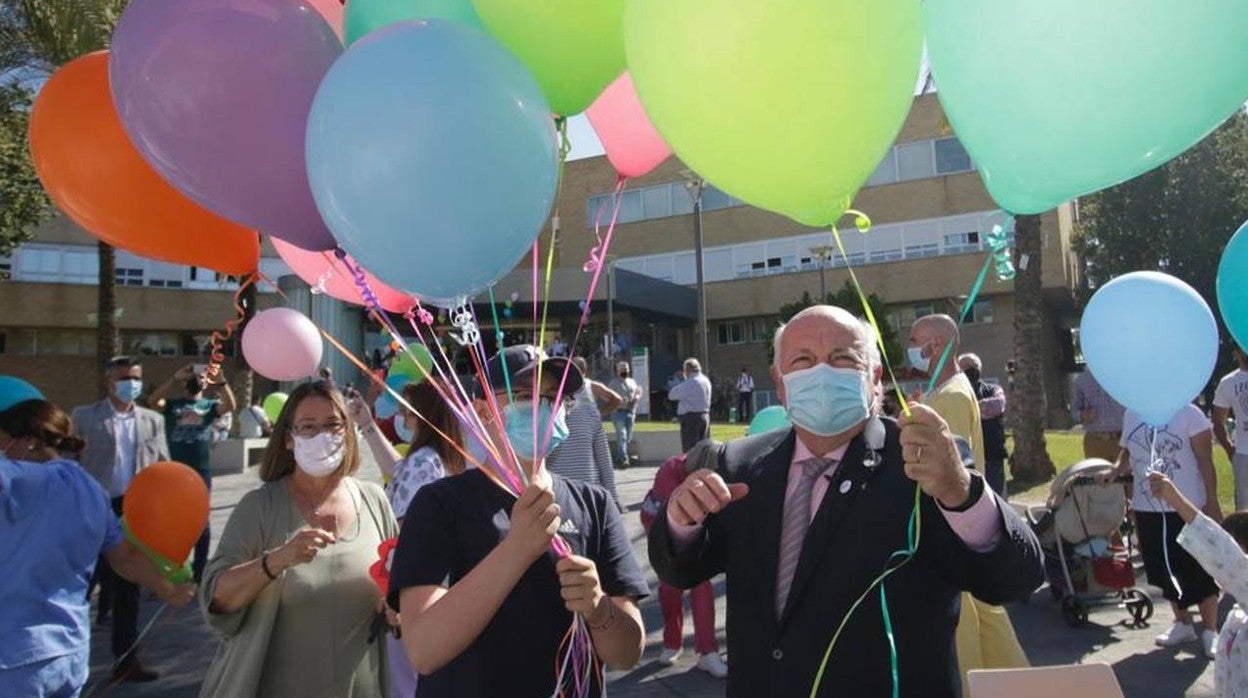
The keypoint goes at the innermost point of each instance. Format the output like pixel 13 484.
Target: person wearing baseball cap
pixel 485 602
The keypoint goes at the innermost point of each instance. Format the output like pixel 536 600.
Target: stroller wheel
pixel 1074 611
pixel 1139 605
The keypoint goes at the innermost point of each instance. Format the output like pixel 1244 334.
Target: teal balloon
pixel 14 390
pixel 366 16
pixel 1151 341
pixel 1054 99
pixel 1232 286
pixel 769 419
pixel 428 135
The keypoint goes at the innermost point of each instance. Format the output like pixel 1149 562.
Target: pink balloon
pixel 632 143
pixel 333 12
pixel 322 270
pixel 282 344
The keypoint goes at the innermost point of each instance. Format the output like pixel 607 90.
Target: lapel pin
pixel 845 486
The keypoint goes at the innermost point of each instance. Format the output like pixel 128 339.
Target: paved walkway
pixel 180 646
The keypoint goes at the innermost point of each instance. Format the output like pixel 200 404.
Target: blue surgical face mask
pixel 404 432
pixel 128 389
pixel 827 401
pixel 518 418
pixel 917 360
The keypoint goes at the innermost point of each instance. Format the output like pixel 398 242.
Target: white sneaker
pixel 1209 639
pixel 713 664
pixel 1178 634
pixel 669 656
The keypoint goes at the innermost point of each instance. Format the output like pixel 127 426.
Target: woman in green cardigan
pixel 288 588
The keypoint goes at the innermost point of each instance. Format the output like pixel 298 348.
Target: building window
pixel 914 161
pixel 958 243
pixel 6 268
pixel 919 251
pixel 951 157
pixel 886 173
pixel 150 343
pixel 731 332
pixel 981 313
pixel 129 276
pixel 923 310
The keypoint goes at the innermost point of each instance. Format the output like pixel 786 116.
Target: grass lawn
pixel 1065 448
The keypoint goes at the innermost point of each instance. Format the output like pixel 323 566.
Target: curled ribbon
pixel 220 337
pixel 999 243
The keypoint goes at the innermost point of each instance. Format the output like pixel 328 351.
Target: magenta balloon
pixel 282 344
pixel 321 270
pixel 216 93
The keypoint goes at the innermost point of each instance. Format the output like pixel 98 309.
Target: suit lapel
pixel 767 491
pixel 836 503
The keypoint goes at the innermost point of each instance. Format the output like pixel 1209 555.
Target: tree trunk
pixel 107 339
pixel 1030 461
pixel 245 378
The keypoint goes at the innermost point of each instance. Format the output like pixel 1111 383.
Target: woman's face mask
pixel 827 401
pixel 320 455
pixel 525 440
pixel 404 430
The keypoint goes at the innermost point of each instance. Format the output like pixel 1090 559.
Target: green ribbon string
pixel 172 571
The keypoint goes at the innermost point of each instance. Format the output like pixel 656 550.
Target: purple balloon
pixel 216 93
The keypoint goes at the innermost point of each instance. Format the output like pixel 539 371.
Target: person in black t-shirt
pixel 484 601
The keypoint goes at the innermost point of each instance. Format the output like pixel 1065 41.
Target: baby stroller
pixel 1082 566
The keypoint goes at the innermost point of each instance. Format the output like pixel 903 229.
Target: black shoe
pixel 133 671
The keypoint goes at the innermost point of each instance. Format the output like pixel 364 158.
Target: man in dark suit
pixel 803 520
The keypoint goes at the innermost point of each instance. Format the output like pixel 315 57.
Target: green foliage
pixel 846 298
pixel 23 203
pixel 37 36
pixel 1176 219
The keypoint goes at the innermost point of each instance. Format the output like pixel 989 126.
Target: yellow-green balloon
pixel 789 105
pixel 417 370
pixel 1054 99
pixel 575 48
pixel 366 16
pixel 273 405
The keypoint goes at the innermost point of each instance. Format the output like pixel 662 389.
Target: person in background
pixel 55 522
pixel 991 421
pixel 693 405
pixel 585 455
pixel 701 597
pixel 1182 450
pixel 1231 398
pixel 625 416
pixel 253 423
pixel 189 424
pixel 745 396
pixel 326 374
pixel 889 404
pixel 436 440
pixel 485 602
pixel 1220 551
pixel 221 427
pixel 288 588
pixel 122 439
pixel 1101 417
pixel 985 637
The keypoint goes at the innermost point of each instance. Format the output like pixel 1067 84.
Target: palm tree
pixel 37 37
pixel 1030 461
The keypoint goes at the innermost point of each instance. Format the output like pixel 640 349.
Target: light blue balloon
pixel 14 390
pixel 1233 286
pixel 769 419
pixel 386 406
pixel 1151 341
pixel 432 157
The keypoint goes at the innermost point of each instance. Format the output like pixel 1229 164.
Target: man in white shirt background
pixel 693 405
pixel 745 396
pixel 1231 399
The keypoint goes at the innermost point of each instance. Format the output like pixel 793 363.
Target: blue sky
pixel 585 142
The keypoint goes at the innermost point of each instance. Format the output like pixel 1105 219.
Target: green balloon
pixel 366 16
pixel 417 370
pixel 575 48
pixel 1054 99
pixel 789 105
pixel 769 419
pixel 273 405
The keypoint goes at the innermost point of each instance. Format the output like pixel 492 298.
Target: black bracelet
pixel 264 565
pixel 973 495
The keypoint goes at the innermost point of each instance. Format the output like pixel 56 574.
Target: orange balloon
pixel 96 176
pixel 166 508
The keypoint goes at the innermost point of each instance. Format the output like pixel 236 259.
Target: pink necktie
pixel 796 522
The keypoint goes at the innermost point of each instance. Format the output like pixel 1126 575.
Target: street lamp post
pixel 696 185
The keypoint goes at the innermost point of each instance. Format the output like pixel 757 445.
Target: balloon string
pixel 156 621
pixel 219 337
pixel 1165 528
pixel 998 258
